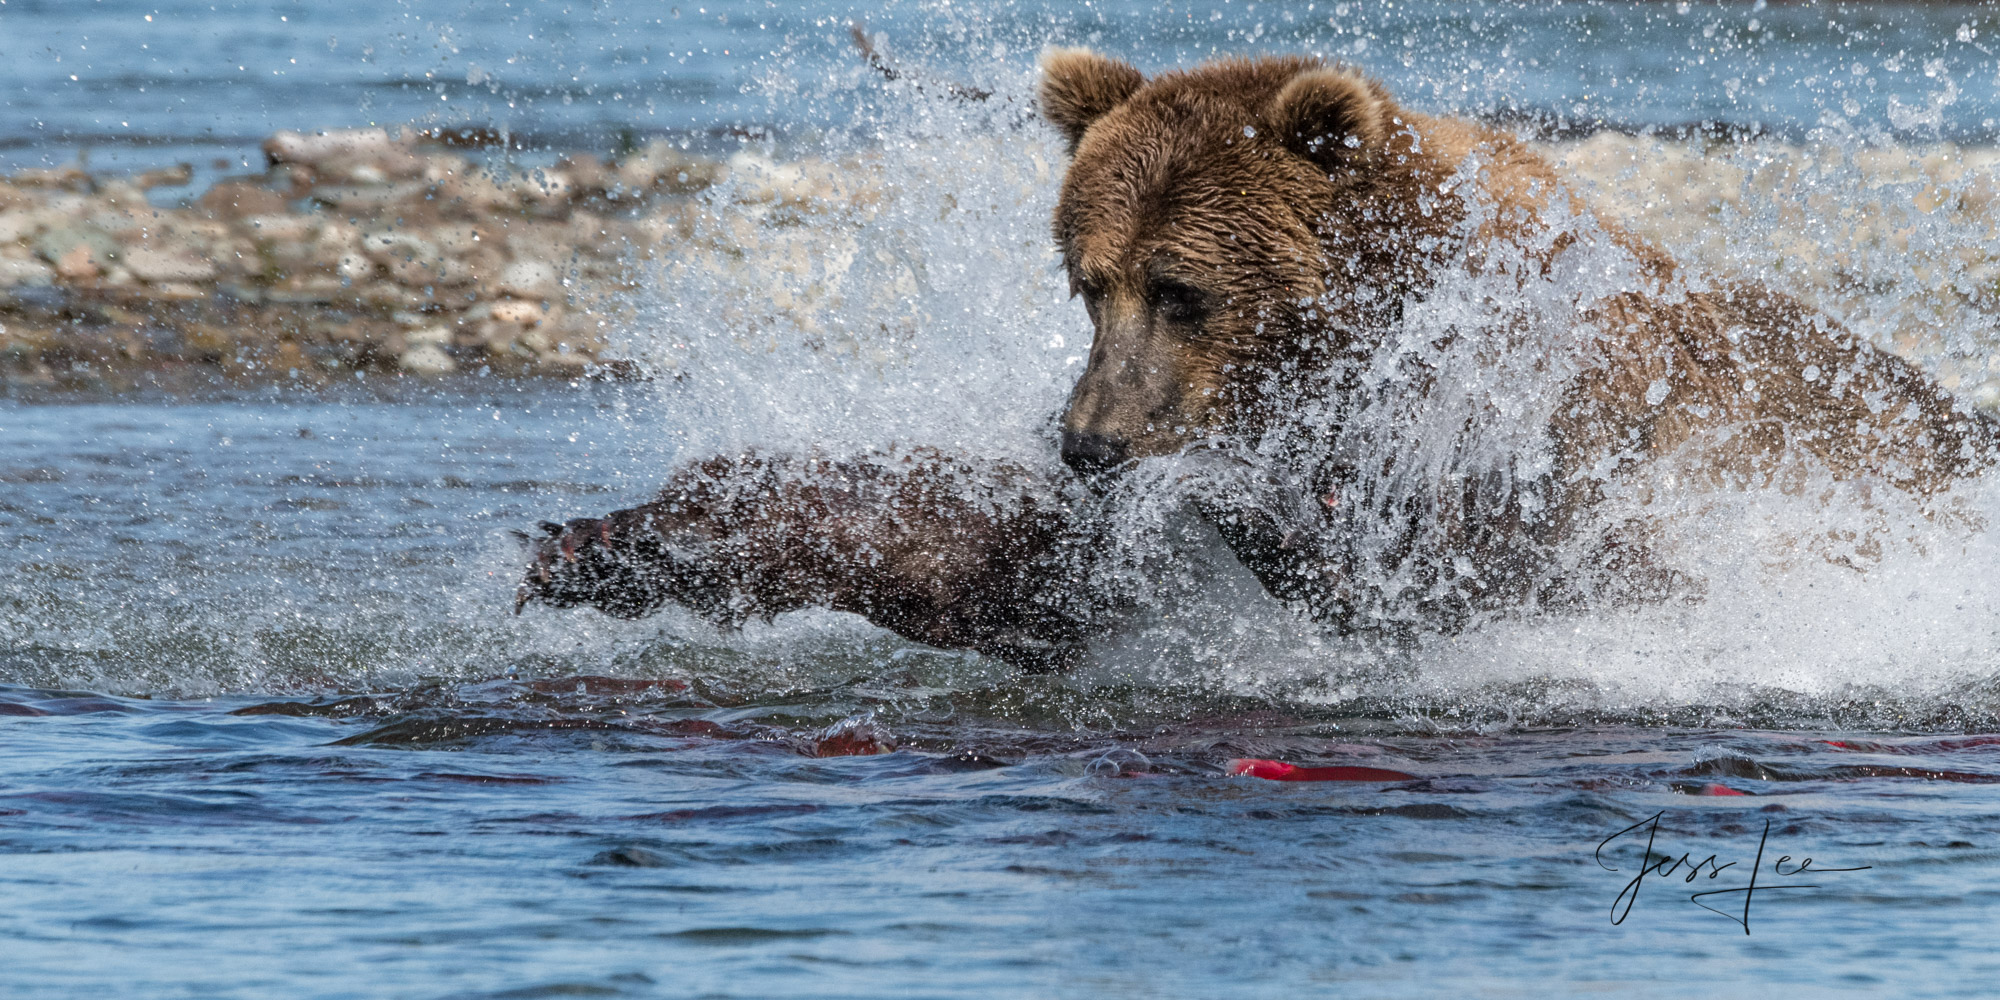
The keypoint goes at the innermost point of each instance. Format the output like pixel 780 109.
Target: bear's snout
pixel 1090 454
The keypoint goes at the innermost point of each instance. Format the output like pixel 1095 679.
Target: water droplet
pixel 1118 762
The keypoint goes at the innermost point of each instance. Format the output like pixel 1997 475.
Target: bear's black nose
pixel 1090 454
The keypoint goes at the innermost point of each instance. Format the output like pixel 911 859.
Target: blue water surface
pixel 332 764
pixel 134 81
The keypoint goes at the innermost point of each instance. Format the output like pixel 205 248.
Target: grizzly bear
pixel 1265 248
pixel 1250 237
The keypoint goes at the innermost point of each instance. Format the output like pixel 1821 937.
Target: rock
pixel 239 199
pixel 427 359
pixel 462 136
pixel 416 272
pixel 525 314
pixel 354 267
pixel 412 260
pixel 66 206
pixel 588 231
pixel 121 223
pixel 60 242
pixel 280 228
pixel 157 266
pixel 305 292
pixel 498 337
pixel 291 257
pixel 439 335
pixel 761 179
pixel 587 171
pixel 572 360
pixel 536 340
pixel 547 242
pixel 238 292
pixel 238 258
pixel 670 224
pixel 661 164
pixel 531 279
pixel 367 173
pixel 332 144
pixel 179 175
pixel 179 291
pixel 370 197
pixel 297 179
pixel 483 264
pixel 337 238
pixel 387 295
pixel 18 226
pixel 387 245
pixel 458 239
pixel 206 233
pixel 477 194
pixel 546 187
pixel 25 273
pixel 441 167
pixel 51 177
pixel 77 265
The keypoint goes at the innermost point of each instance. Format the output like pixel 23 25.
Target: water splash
pixel 897 288
pixel 896 285
pixel 883 274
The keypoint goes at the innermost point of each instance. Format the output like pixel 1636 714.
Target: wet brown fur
pixel 1298 204
pixel 936 549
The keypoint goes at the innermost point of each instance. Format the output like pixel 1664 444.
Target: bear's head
pixel 1222 227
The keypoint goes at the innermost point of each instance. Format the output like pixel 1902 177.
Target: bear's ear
pixel 1330 116
pixel 1079 87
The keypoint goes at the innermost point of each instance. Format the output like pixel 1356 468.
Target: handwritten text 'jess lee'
pixel 1688 869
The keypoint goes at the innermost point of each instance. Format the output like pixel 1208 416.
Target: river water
pixel 272 730
pixel 129 80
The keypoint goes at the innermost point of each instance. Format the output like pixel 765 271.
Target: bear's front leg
pixel 955 554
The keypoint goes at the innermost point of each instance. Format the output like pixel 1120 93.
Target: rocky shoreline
pixel 355 251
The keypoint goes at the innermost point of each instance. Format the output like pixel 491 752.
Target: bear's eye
pixel 1080 285
pixel 1179 303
